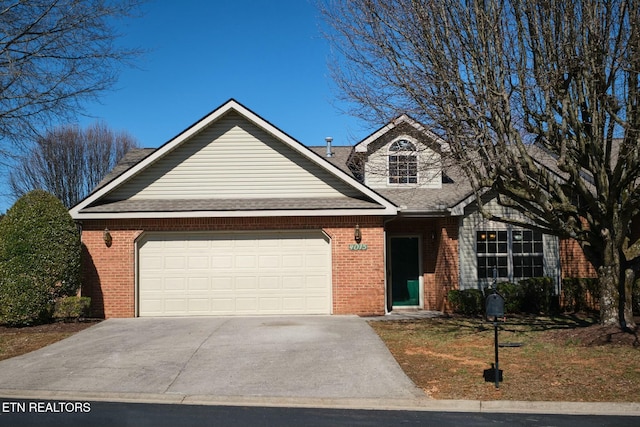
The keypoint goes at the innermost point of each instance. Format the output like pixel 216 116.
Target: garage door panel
pixel 225 274
pixel 174 244
pixel 197 243
pixel 174 263
pixel 221 262
pixel 222 306
pixel 272 283
pixel 246 261
pixel 175 305
pixel 199 305
pixel 198 262
pixel 268 261
pixel 292 261
pixel 175 283
pixel 270 305
pixel 316 282
pixel 198 284
pixel 246 304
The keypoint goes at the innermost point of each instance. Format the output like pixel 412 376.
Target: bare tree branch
pixel 55 54
pixel 69 162
pixel 539 101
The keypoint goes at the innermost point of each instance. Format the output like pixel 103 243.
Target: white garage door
pixel 235 273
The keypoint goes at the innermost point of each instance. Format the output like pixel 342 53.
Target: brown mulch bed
pixel 15 341
pixel 49 327
pixel 597 335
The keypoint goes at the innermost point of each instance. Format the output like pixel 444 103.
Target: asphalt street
pixel 104 414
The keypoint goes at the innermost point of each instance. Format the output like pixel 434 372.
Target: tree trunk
pixel 616 286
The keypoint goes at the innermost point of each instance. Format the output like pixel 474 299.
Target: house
pixel 234 216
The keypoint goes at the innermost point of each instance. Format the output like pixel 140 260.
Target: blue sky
pixel 269 55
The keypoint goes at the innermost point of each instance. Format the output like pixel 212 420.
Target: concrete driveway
pixel 336 357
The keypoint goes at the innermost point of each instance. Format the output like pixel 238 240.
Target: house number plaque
pixel 358 247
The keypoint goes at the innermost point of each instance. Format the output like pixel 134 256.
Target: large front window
pixel 509 254
pixel 403 163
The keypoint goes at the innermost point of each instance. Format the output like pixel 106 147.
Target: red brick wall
pixel 447 264
pixel 358 276
pixel 108 272
pixel 572 260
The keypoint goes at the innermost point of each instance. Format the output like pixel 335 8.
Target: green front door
pixel 405 271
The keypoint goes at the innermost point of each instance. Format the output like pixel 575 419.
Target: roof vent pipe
pixel 329 140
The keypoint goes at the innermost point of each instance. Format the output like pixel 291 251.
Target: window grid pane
pixel 403 169
pixel 492 250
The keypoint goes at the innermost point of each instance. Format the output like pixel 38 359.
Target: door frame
pixel 389 270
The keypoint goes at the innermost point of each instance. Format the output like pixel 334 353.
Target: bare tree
pixel 539 101
pixel 54 54
pixel 69 162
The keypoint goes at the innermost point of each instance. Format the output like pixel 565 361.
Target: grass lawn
pixel 566 358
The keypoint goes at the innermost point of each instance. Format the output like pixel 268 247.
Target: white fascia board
pixel 258 121
pixel 361 147
pixel 235 214
pixel 458 208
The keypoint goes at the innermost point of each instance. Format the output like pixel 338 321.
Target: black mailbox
pixel 494 305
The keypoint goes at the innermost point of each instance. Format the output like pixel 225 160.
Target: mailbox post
pixel 494 308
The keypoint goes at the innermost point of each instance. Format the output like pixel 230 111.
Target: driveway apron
pixel 310 357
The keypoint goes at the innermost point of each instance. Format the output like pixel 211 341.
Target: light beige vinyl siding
pixel 232 158
pixel 474 221
pixel 429 167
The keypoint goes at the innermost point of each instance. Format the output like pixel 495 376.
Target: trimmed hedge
pixel 512 294
pixel 539 296
pixel 535 296
pixel 39 258
pixel 467 301
pixel 72 308
pixel 580 294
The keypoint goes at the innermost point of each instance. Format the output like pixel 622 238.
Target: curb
pixel 472 406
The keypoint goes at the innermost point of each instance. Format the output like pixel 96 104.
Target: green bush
pixel 592 285
pixel 466 301
pixel 23 301
pixel 580 294
pixel 72 308
pixel 39 258
pixel 539 295
pixel 573 299
pixel 512 294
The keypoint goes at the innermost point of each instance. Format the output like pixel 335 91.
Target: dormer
pixel 402 154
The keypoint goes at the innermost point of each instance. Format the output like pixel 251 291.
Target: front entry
pixel 404 272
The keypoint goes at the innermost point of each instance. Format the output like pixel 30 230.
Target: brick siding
pixel 573 262
pixel 357 278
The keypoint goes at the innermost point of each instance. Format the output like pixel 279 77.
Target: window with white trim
pixel 514 254
pixel 403 163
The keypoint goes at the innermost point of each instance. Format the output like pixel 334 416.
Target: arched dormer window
pixel 403 163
